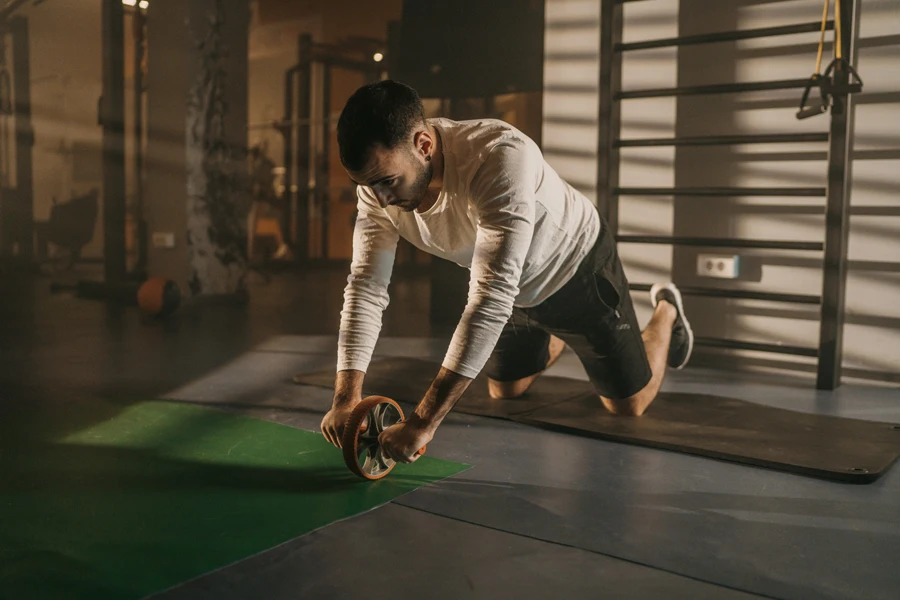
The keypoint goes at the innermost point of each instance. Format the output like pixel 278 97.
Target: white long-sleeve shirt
pixel 503 213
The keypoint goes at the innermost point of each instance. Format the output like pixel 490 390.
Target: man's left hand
pixel 402 441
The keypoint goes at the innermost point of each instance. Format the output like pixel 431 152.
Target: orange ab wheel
pixel 362 452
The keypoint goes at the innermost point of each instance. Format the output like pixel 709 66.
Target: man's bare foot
pixel 514 389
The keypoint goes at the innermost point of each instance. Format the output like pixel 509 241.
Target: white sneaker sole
pixel 657 287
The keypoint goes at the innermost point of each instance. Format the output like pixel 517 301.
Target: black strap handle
pixel 819 82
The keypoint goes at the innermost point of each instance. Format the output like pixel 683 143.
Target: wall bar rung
pixel 572 24
pixel 738 345
pixel 570 120
pixel 725 36
pixel 590 56
pixel 570 88
pixel 719 88
pixel 720 242
pixel 724 140
pixel 569 152
pixel 721 191
pixel 737 294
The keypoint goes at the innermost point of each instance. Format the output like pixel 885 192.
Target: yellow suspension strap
pixel 825 82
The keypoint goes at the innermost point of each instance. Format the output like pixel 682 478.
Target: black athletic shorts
pixel 594 315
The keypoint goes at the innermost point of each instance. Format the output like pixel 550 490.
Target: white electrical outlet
pixel 163 239
pixel 718 265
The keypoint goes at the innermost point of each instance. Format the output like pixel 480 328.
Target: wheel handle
pixel 362 452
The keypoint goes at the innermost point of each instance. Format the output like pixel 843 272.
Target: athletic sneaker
pixel 682 343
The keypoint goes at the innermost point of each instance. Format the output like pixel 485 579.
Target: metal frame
pixel 297 130
pixel 17 202
pixel 323 170
pixel 139 24
pixel 304 134
pixel 609 116
pixel 837 212
pixel 836 192
pixel 286 131
pixel 113 122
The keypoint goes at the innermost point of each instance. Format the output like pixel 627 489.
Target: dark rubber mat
pixel 821 446
pixel 826 447
pixel 148 495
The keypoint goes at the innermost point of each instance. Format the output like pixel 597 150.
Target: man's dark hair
pixel 379 113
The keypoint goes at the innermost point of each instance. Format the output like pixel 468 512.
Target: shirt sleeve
pixel 366 293
pixel 503 195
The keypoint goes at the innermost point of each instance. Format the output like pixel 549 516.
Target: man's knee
pixel 508 390
pixel 632 406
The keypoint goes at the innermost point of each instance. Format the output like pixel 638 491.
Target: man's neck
pixel 437 180
pixel 437 158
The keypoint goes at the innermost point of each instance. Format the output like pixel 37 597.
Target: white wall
pixel 872 333
pixel 570 116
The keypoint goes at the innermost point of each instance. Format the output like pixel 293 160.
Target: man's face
pixel 398 177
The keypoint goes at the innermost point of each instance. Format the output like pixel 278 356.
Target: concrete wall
pixel 872 333
pixel 173 69
pixel 165 192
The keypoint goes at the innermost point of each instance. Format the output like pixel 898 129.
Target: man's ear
pixel 424 144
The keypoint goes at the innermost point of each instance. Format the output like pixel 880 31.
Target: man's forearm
pixel 440 398
pixel 348 386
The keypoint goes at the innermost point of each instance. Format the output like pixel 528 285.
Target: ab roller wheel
pixel 362 452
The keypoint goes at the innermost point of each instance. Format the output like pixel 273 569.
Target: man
pixel 544 266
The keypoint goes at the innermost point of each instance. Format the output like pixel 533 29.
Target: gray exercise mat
pixel 826 447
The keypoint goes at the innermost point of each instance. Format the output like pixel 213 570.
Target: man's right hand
pixel 335 419
pixel 347 394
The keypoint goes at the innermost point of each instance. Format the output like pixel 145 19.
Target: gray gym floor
pixel 539 514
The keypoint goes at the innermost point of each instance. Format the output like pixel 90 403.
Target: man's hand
pixel 347 394
pixel 334 421
pixel 402 441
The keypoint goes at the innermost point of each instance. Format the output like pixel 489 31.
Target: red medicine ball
pixel 159 296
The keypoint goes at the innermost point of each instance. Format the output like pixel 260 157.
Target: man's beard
pixel 419 188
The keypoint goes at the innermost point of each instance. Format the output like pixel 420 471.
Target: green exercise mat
pixel 152 494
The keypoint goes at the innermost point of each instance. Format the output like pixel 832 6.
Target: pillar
pixel 196 198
